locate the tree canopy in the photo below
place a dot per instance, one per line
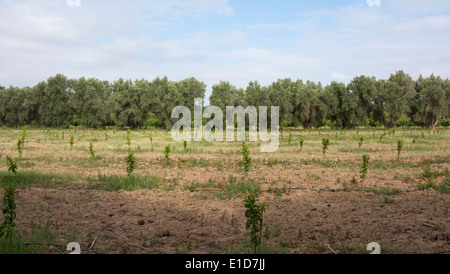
(365, 100)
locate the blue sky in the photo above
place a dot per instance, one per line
(213, 40)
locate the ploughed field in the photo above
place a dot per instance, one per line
(317, 200)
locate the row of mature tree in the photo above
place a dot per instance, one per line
(61, 102)
(399, 100)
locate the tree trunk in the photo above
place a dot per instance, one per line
(433, 127)
(395, 123)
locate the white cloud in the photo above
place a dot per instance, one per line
(340, 77)
(414, 8)
(104, 38)
(108, 40)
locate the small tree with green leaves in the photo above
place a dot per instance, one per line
(399, 148)
(325, 143)
(71, 141)
(254, 215)
(185, 145)
(301, 141)
(130, 160)
(382, 135)
(12, 164)
(8, 228)
(246, 159)
(91, 150)
(19, 147)
(361, 139)
(364, 167)
(166, 153)
(290, 138)
(128, 139)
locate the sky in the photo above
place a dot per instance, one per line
(232, 40)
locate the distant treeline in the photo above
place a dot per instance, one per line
(365, 101)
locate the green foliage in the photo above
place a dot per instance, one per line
(404, 121)
(429, 184)
(130, 160)
(12, 164)
(444, 188)
(370, 121)
(361, 139)
(8, 228)
(382, 135)
(8, 207)
(254, 215)
(397, 101)
(152, 121)
(224, 94)
(429, 173)
(399, 148)
(307, 107)
(290, 138)
(19, 147)
(166, 153)
(301, 141)
(325, 143)
(91, 150)
(185, 145)
(431, 104)
(54, 109)
(364, 167)
(246, 159)
(444, 122)
(76, 122)
(71, 141)
(128, 137)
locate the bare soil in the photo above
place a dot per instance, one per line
(312, 207)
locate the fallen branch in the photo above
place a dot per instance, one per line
(56, 245)
(93, 243)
